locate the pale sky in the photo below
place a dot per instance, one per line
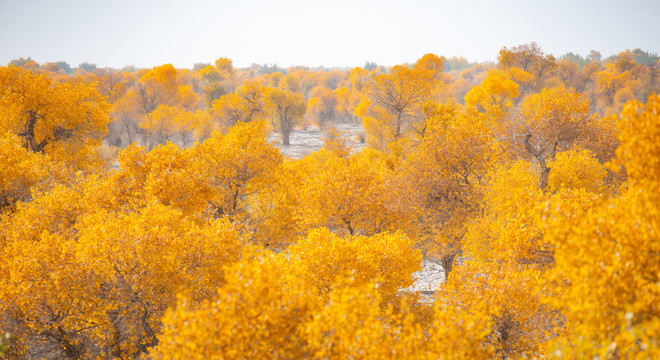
(343, 33)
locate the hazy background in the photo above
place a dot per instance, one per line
(304, 32)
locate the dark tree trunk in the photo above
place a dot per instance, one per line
(540, 157)
(447, 263)
(349, 226)
(545, 173)
(30, 141)
(150, 339)
(399, 120)
(115, 345)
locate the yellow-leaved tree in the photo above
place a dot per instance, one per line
(550, 121)
(441, 178)
(249, 102)
(236, 166)
(392, 107)
(91, 279)
(290, 305)
(289, 110)
(606, 277)
(64, 120)
(350, 195)
(173, 123)
(20, 170)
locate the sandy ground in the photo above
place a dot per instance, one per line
(427, 280)
(304, 142)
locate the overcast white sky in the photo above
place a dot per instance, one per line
(307, 32)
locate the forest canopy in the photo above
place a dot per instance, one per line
(152, 213)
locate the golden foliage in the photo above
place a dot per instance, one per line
(609, 261)
(349, 195)
(208, 243)
(249, 102)
(64, 120)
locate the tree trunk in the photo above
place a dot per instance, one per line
(30, 141)
(544, 169)
(447, 263)
(285, 127)
(545, 173)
